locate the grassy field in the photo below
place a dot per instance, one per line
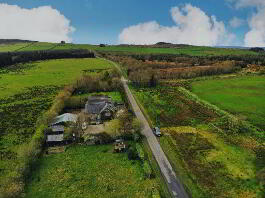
(242, 96)
(26, 92)
(164, 113)
(12, 47)
(89, 171)
(189, 50)
(46, 73)
(210, 162)
(209, 166)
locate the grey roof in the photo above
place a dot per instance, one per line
(97, 104)
(67, 117)
(95, 108)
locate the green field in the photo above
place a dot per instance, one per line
(187, 50)
(211, 167)
(89, 171)
(162, 111)
(242, 96)
(45, 73)
(12, 47)
(26, 92)
(209, 161)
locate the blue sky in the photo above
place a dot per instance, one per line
(101, 21)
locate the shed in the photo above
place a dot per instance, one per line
(55, 135)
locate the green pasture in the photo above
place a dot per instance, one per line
(45, 73)
(243, 96)
(209, 166)
(186, 50)
(12, 47)
(89, 171)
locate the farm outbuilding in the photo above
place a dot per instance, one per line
(55, 133)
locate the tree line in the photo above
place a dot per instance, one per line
(11, 58)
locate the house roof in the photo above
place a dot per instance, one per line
(67, 117)
(97, 104)
(95, 108)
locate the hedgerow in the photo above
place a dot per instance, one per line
(29, 153)
(11, 58)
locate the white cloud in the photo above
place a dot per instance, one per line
(247, 3)
(256, 36)
(39, 24)
(193, 26)
(236, 22)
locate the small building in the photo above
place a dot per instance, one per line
(100, 108)
(54, 135)
(55, 132)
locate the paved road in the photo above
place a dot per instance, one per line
(173, 182)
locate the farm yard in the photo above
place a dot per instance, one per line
(89, 171)
(27, 91)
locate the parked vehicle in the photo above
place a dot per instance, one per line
(119, 146)
(156, 131)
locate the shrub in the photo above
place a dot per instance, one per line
(261, 176)
(132, 153)
(136, 137)
(147, 169)
(155, 193)
(140, 151)
(137, 125)
(257, 49)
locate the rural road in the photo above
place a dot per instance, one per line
(173, 182)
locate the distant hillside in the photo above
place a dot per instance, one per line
(157, 45)
(235, 47)
(10, 41)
